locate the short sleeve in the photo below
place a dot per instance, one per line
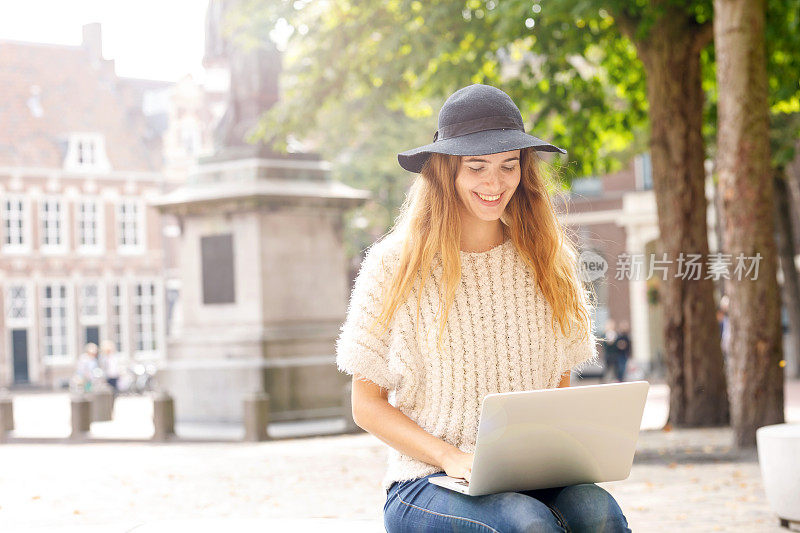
(358, 349)
(580, 352)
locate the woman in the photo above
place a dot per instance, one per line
(473, 291)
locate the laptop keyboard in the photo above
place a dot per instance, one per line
(463, 482)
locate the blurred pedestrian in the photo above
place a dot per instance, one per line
(623, 346)
(87, 368)
(109, 362)
(610, 350)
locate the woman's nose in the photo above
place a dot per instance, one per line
(494, 177)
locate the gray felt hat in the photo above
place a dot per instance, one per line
(476, 120)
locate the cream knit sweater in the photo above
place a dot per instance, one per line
(498, 334)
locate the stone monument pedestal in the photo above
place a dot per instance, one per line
(264, 287)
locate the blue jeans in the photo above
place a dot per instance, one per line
(620, 365)
(417, 505)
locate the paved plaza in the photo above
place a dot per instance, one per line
(683, 479)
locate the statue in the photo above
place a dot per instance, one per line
(254, 71)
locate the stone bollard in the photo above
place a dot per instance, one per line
(102, 398)
(347, 396)
(6, 415)
(81, 416)
(163, 416)
(256, 416)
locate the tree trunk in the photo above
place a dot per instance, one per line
(719, 233)
(792, 175)
(790, 291)
(747, 192)
(671, 56)
(792, 180)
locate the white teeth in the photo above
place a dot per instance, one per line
(488, 198)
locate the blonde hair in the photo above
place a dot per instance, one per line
(429, 222)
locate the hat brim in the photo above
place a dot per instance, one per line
(478, 143)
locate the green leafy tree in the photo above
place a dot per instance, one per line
(747, 191)
(603, 79)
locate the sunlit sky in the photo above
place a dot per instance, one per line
(153, 39)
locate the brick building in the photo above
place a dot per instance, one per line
(614, 216)
(81, 250)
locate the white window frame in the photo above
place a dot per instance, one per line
(99, 231)
(86, 151)
(153, 347)
(643, 171)
(118, 320)
(139, 229)
(96, 319)
(62, 224)
(24, 216)
(69, 334)
(9, 290)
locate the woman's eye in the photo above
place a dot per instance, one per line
(507, 169)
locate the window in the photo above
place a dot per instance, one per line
(54, 320)
(88, 221)
(18, 310)
(643, 171)
(129, 226)
(90, 303)
(52, 217)
(86, 151)
(144, 316)
(117, 314)
(14, 226)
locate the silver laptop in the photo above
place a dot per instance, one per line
(553, 438)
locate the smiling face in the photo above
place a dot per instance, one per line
(485, 184)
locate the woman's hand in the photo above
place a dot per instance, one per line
(458, 464)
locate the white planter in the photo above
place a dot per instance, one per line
(779, 459)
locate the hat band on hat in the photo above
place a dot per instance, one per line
(476, 125)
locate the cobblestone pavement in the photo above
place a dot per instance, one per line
(683, 479)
